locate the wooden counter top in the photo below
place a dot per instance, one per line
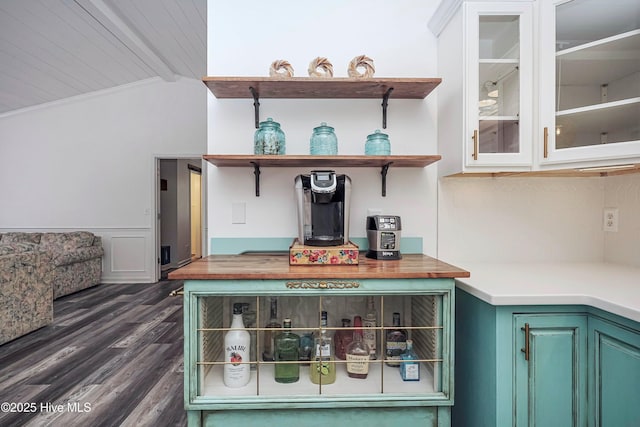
(239, 267)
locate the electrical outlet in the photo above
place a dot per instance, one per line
(610, 219)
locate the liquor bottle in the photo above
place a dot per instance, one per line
(370, 336)
(249, 319)
(395, 343)
(286, 347)
(267, 353)
(323, 367)
(409, 368)
(237, 343)
(358, 353)
(306, 348)
(342, 338)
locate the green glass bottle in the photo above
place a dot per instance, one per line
(287, 345)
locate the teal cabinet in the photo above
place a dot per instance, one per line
(550, 363)
(583, 366)
(426, 306)
(615, 363)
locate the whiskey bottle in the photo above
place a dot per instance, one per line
(358, 353)
(369, 334)
(395, 343)
(409, 368)
(237, 343)
(267, 353)
(286, 347)
(342, 339)
(323, 369)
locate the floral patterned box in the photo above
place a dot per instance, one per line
(323, 255)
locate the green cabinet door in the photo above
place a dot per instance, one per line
(615, 354)
(550, 362)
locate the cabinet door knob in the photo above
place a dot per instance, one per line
(525, 350)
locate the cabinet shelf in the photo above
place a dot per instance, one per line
(317, 88)
(258, 161)
(601, 61)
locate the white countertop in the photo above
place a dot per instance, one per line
(610, 287)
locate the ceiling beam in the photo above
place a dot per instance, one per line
(110, 20)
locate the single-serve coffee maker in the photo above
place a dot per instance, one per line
(323, 208)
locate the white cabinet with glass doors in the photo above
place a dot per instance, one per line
(486, 59)
(590, 81)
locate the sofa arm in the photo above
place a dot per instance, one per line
(78, 255)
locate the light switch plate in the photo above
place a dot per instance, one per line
(238, 213)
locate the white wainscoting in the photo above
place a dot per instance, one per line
(129, 254)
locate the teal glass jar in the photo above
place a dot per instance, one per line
(377, 144)
(269, 138)
(324, 141)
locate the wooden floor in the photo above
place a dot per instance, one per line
(112, 357)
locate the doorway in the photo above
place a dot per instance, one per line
(179, 215)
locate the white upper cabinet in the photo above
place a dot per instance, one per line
(486, 62)
(535, 86)
(590, 81)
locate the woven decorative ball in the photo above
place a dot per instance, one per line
(361, 62)
(320, 67)
(280, 68)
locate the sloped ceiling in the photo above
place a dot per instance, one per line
(55, 49)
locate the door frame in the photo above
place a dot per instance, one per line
(156, 272)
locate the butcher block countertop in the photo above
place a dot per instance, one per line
(254, 266)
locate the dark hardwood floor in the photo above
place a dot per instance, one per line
(112, 357)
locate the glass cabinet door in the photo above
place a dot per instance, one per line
(591, 68)
(420, 318)
(499, 84)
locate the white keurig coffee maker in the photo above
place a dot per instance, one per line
(383, 233)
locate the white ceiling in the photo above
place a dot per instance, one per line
(55, 49)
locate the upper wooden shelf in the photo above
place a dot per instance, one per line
(239, 160)
(307, 87)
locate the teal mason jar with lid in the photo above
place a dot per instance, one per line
(377, 144)
(269, 138)
(324, 141)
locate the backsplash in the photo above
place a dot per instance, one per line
(520, 219)
(623, 247)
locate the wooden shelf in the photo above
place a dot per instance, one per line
(307, 87)
(315, 88)
(242, 160)
(357, 161)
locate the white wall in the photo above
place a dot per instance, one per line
(245, 37)
(623, 192)
(88, 163)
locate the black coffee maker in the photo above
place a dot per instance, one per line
(323, 208)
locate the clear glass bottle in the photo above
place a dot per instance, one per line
(357, 353)
(409, 368)
(369, 322)
(324, 141)
(395, 342)
(323, 367)
(237, 343)
(287, 346)
(342, 339)
(267, 352)
(249, 319)
(269, 138)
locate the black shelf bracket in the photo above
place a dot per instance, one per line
(385, 104)
(256, 106)
(256, 172)
(383, 172)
